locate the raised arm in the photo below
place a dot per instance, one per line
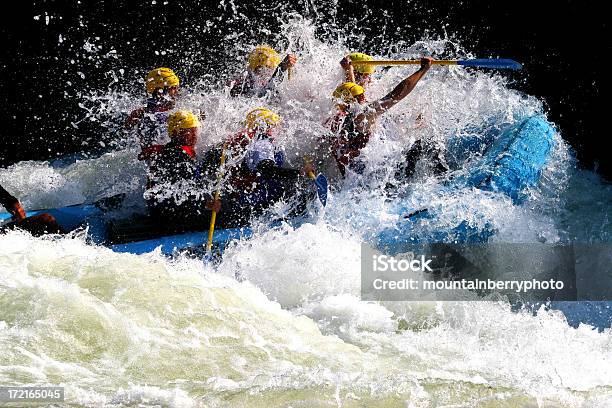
(403, 88)
(366, 120)
(134, 117)
(349, 71)
(278, 75)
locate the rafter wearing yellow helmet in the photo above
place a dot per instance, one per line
(261, 119)
(264, 72)
(161, 78)
(348, 92)
(351, 128)
(362, 69)
(162, 88)
(182, 119)
(263, 56)
(356, 72)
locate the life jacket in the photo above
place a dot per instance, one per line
(149, 153)
(243, 177)
(150, 123)
(170, 163)
(265, 188)
(242, 85)
(346, 142)
(153, 128)
(189, 150)
(260, 149)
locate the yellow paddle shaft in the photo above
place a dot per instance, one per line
(310, 174)
(213, 217)
(404, 62)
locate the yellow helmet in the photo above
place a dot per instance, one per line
(263, 56)
(363, 69)
(348, 91)
(160, 78)
(261, 116)
(182, 119)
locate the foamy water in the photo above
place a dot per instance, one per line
(279, 321)
(119, 329)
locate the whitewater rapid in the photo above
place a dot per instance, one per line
(279, 321)
(119, 329)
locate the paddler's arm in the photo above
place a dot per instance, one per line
(288, 63)
(133, 118)
(403, 89)
(11, 204)
(366, 120)
(278, 75)
(347, 66)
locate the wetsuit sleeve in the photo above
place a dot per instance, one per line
(6, 199)
(269, 169)
(134, 118)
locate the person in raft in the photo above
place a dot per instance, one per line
(256, 173)
(355, 119)
(355, 72)
(264, 72)
(150, 121)
(174, 195)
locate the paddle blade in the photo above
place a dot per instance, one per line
(321, 183)
(213, 256)
(491, 63)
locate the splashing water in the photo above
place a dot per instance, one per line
(280, 322)
(119, 329)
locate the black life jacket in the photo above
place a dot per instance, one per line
(348, 141)
(172, 164)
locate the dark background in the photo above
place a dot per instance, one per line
(561, 44)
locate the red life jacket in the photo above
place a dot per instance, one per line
(189, 150)
(148, 153)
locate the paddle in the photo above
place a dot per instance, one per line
(320, 182)
(213, 217)
(415, 213)
(479, 63)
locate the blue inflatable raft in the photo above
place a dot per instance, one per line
(95, 218)
(511, 164)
